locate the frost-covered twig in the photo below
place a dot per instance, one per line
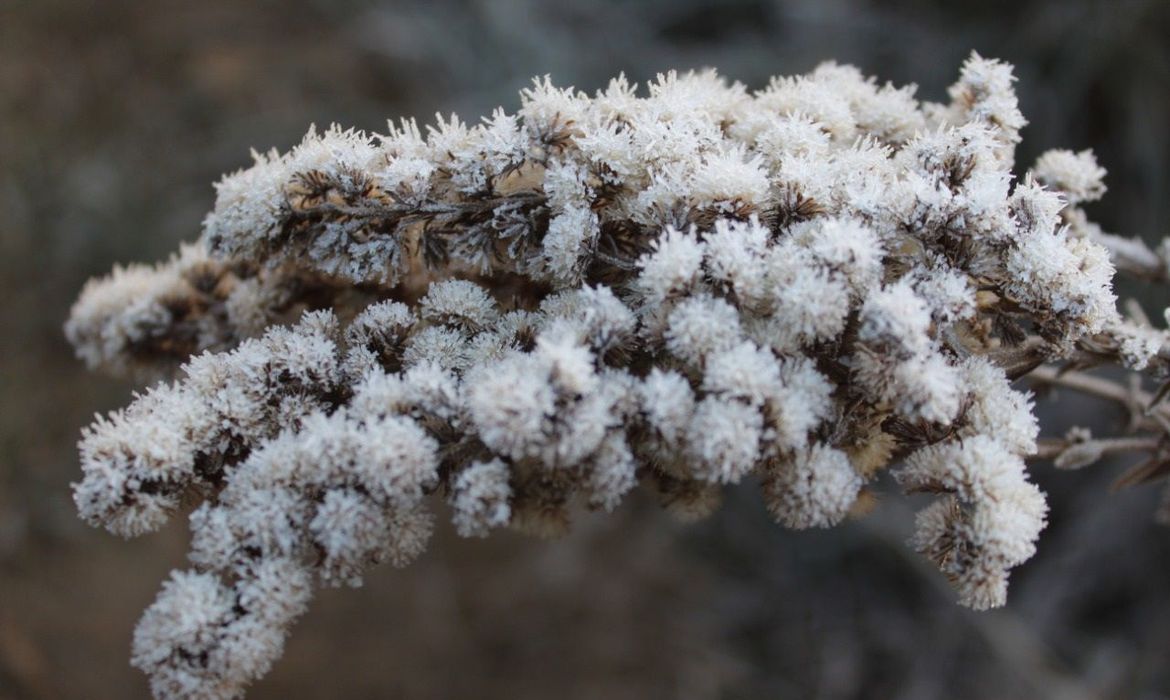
(801, 287)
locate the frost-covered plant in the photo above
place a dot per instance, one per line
(801, 286)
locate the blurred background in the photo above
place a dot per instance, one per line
(115, 118)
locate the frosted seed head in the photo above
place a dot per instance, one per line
(672, 268)
(701, 325)
(1076, 175)
(460, 304)
(815, 489)
(724, 439)
(480, 498)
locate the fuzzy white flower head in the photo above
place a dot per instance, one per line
(809, 304)
(744, 372)
(668, 402)
(928, 388)
(480, 497)
(701, 325)
(815, 490)
(1076, 175)
(1068, 277)
(460, 304)
(724, 439)
(736, 257)
(847, 247)
(1140, 344)
(673, 267)
(994, 408)
(570, 235)
(896, 316)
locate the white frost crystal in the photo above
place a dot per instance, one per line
(542, 311)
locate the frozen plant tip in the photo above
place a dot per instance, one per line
(677, 290)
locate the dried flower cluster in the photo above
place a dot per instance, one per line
(803, 285)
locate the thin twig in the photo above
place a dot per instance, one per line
(1051, 448)
(1133, 256)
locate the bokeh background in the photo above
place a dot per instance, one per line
(115, 118)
